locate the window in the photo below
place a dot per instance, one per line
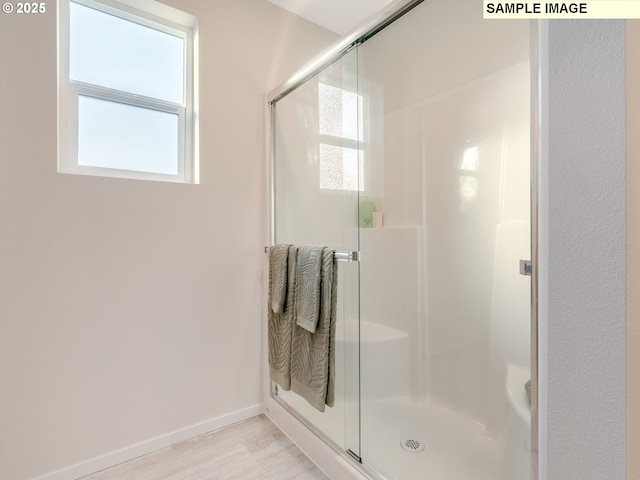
(127, 92)
(341, 132)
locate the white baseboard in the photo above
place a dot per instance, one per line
(96, 464)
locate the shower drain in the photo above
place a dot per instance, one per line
(412, 445)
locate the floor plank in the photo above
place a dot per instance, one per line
(251, 450)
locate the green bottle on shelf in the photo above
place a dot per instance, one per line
(367, 207)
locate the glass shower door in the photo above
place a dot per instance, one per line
(317, 178)
(445, 312)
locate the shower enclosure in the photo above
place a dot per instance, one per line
(407, 151)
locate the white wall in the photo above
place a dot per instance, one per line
(582, 252)
(129, 309)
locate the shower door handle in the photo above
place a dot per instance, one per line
(526, 268)
(346, 256)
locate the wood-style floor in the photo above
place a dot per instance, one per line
(253, 449)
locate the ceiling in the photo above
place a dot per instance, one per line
(339, 16)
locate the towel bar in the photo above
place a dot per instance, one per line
(338, 256)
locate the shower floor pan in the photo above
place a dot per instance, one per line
(442, 444)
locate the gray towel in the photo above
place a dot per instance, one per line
(308, 287)
(313, 354)
(280, 327)
(278, 255)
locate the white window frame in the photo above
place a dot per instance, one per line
(159, 17)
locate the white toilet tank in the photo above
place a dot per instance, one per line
(517, 464)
